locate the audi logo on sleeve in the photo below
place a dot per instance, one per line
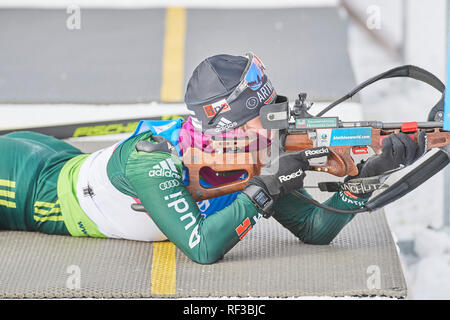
(169, 184)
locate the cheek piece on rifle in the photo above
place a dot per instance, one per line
(278, 178)
(398, 150)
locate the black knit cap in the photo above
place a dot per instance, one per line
(214, 79)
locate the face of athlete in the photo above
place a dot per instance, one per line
(254, 125)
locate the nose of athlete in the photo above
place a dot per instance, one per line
(254, 125)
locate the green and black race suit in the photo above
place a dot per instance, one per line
(49, 186)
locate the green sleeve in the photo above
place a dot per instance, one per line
(312, 224)
(175, 212)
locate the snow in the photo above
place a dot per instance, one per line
(38, 115)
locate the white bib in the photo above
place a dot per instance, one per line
(109, 208)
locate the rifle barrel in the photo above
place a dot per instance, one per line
(389, 125)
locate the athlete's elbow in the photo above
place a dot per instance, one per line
(319, 237)
(207, 257)
(205, 261)
(316, 240)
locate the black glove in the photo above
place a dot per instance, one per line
(281, 176)
(397, 149)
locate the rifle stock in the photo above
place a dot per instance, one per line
(339, 162)
(195, 159)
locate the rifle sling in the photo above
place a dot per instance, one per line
(403, 186)
(410, 181)
(406, 71)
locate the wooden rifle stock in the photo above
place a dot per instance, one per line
(195, 159)
(339, 162)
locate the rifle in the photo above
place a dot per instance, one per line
(333, 147)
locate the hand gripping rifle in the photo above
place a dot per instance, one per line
(333, 146)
